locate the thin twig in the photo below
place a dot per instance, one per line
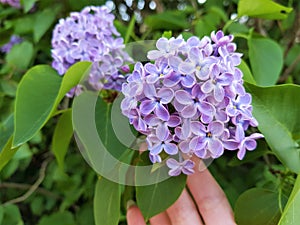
(294, 32)
(20, 186)
(34, 187)
(289, 69)
(159, 6)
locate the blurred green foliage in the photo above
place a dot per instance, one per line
(39, 184)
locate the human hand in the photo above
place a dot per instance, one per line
(205, 204)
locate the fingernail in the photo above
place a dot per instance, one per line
(130, 203)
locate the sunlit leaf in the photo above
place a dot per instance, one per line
(27, 4)
(130, 29)
(167, 20)
(266, 9)
(7, 153)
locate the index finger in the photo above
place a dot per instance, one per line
(210, 199)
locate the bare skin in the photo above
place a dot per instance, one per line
(207, 204)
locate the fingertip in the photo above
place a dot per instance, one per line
(134, 215)
(210, 198)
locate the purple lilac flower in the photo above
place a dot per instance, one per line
(90, 35)
(176, 168)
(190, 102)
(13, 3)
(14, 39)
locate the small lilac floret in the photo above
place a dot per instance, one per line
(13, 3)
(190, 101)
(14, 39)
(176, 168)
(90, 35)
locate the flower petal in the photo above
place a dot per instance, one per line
(186, 68)
(171, 148)
(188, 81)
(162, 131)
(162, 112)
(216, 128)
(172, 163)
(147, 107)
(166, 95)
(183, 97)
(215, 147)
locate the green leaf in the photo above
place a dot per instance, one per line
(106, 132)
(107, 202)
(99, 143)
(1, 214)
(290, 215)
(167, 20)
(62, 136)
(59, 218)
(248, 77)
(7, 153)
(156, 198)
(6, 131)
(266, 9)
(35, 99)
(130, 30)
(277, 110)
(43, 22)
(202, 29)
(27, 4)
(167, 34)
(39, 93)
(251, 156)
(73, 77)
(266, 59)
(20, 55)
(257, 206)
(24, 24)
(12, 215)
(9, 87)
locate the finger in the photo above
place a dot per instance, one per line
(210, 198)
(134, 216)
(184, 211)
(160, 219)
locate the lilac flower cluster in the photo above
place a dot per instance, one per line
(90, 35)
(14, 39)
(13, 3)
(190, 101)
